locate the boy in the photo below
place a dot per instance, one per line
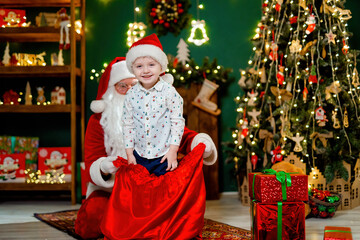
(152, 116)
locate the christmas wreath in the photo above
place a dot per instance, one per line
(168, 15)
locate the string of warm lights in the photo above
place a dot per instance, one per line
(36, 177)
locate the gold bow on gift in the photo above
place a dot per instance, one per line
(322, 137)
(268, 139)
(282, 94)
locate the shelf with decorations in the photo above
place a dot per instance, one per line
(20, 67)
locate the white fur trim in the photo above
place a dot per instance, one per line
(168, 78)
(119, 71)
(97, 106)
(145, 50)
(96, 177)
(200, 138)
(92, 188)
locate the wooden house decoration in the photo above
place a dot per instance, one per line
(341, 186)
(58, 95)
(244, 188)
(355, 187)
(316, 179)
(294, 159)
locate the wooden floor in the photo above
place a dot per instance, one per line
(17, 221)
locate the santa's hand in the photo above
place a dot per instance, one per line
(107, 165)
(210, 152)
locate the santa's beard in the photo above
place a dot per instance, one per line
(111, 123)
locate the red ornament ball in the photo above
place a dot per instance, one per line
(153, 14)
(323, 214)
(161, 21)
(156, 21)
(166, 24)
(157, 1)
(179, 5)
(180, 10)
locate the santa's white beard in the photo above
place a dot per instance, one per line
(111, 123)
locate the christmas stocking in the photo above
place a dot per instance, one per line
(203, 98)
(311, 22)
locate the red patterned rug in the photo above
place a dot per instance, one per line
(64, 221)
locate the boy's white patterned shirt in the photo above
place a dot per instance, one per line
(153, 119)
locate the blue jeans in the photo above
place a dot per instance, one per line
(152, 165)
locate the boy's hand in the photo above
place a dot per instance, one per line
(171, 157)
(130, 156)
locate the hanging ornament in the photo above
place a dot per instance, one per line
(305, 93)
(262, 74)
(334, 88)
(244, 128)
(311, 22)
(323, 52)
(252, 97)
(276, 155)
(346, 118)
(295, 46)
(320, 116)
(312, 77)
(280, 75)
(297, 139)
(293, 19)
(302, 4)
(168, 16)
(254, 114)
(345, 47)
(278, 5)
(355, 77)
(254, 160)
(331, 37)
(136, 32)
(336, 122)
(62, 22)
(199, 24)
(273, 51)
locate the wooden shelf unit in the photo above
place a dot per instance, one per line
(72, 72)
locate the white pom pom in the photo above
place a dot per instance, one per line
(168, 78)
(97, 106)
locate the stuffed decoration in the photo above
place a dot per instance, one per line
(62, 22)
(311, 22)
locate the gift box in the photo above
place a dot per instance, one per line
(28, 146)
(277, 221)
(12, 168)
(337, 233)
(271, 186)
(55, 162)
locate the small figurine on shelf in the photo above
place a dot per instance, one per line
(62, 22)
(28, 96)
(58, 95)
(7, 56)
(11, 97)
(41, 98)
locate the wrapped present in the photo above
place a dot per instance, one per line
(271, 186)
(12, 17)
(12, 168)
(277, 221)
(337, 233)
(56, 163)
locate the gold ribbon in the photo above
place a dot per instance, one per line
(322, 137)
(268, 137)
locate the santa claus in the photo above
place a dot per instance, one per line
(104, 148)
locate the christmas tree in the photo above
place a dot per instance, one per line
(301, 89)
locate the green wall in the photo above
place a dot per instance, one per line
(230, 26)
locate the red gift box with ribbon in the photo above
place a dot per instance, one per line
(278, 221)
(337, 233)
(270, 186)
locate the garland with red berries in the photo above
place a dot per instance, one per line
(168, 15)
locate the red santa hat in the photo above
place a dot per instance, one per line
(114, 72)
(149, 46)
